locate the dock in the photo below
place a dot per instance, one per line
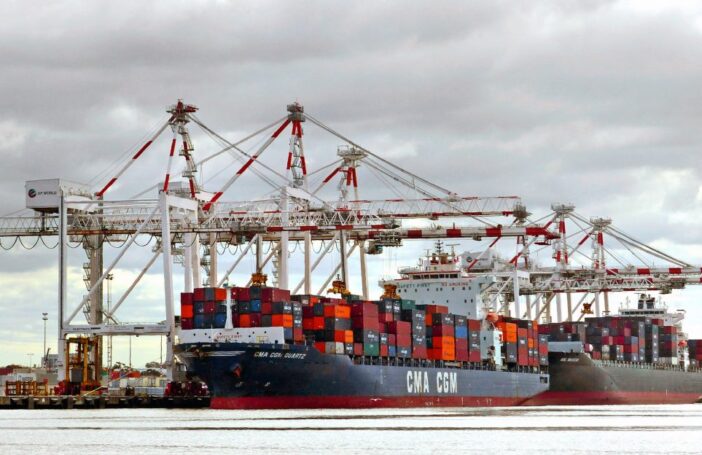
(102, 402)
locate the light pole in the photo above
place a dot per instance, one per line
(30, 354)
(44, 317)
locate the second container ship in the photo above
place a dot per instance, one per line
(640, 356)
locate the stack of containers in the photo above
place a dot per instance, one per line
(366, 335)
(598, 336)
(248, 306)
(417, 320)
(527, 339)
(441, 343)
(209, 308)
(543, 349)
(509, 340)
(298, 334)
(460, 325)
(652, 342)
(474, 340)
(401, 333)
(630, 339)
(328, 322)
(564, 331)
(694, 348)
(385, 312)
(668, 344)
(277, 311)
(522, 344)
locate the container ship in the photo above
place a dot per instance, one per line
(640, 356)
(259, 347)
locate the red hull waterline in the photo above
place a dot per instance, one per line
(553, 398)
(353, 402)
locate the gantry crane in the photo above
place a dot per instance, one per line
(186, 219)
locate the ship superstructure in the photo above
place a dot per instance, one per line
(457, 280)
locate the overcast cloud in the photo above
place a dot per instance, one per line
(596, 103)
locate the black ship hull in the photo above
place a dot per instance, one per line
(244, 376)
(576, 379)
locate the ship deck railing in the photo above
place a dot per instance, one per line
(426, 363)
(646, 366)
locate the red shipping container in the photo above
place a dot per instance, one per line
(243, 294)
(235, 320)
(275, 295)
(186, 310)
(474, 356)
(266, 307)
(199, 295)
(250, 320)
(523, 356)
(385, 317)
(186, 298)
(522, 333)
(399, 327)
(220, 294)
(320, 345)
(364, 309)
(210, 307)
(298, 335)
(383, 350)
(392, 340)
(358, 349)
(440, 309)
(670, 330)
(443, 330)
(474, 325)
(186, 323)
(404, 340)
(462, 356)
(332, 300)
(366, 323)
(420, 352)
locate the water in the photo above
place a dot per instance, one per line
(556, 430)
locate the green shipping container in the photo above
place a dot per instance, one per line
(371, 349)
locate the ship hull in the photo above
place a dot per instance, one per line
(578, 380)
(242, 376)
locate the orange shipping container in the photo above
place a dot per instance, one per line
(244, 320)
(530, 343)
(220, 294)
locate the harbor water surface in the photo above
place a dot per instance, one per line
(609, 429)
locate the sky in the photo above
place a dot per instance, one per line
(592, 103)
